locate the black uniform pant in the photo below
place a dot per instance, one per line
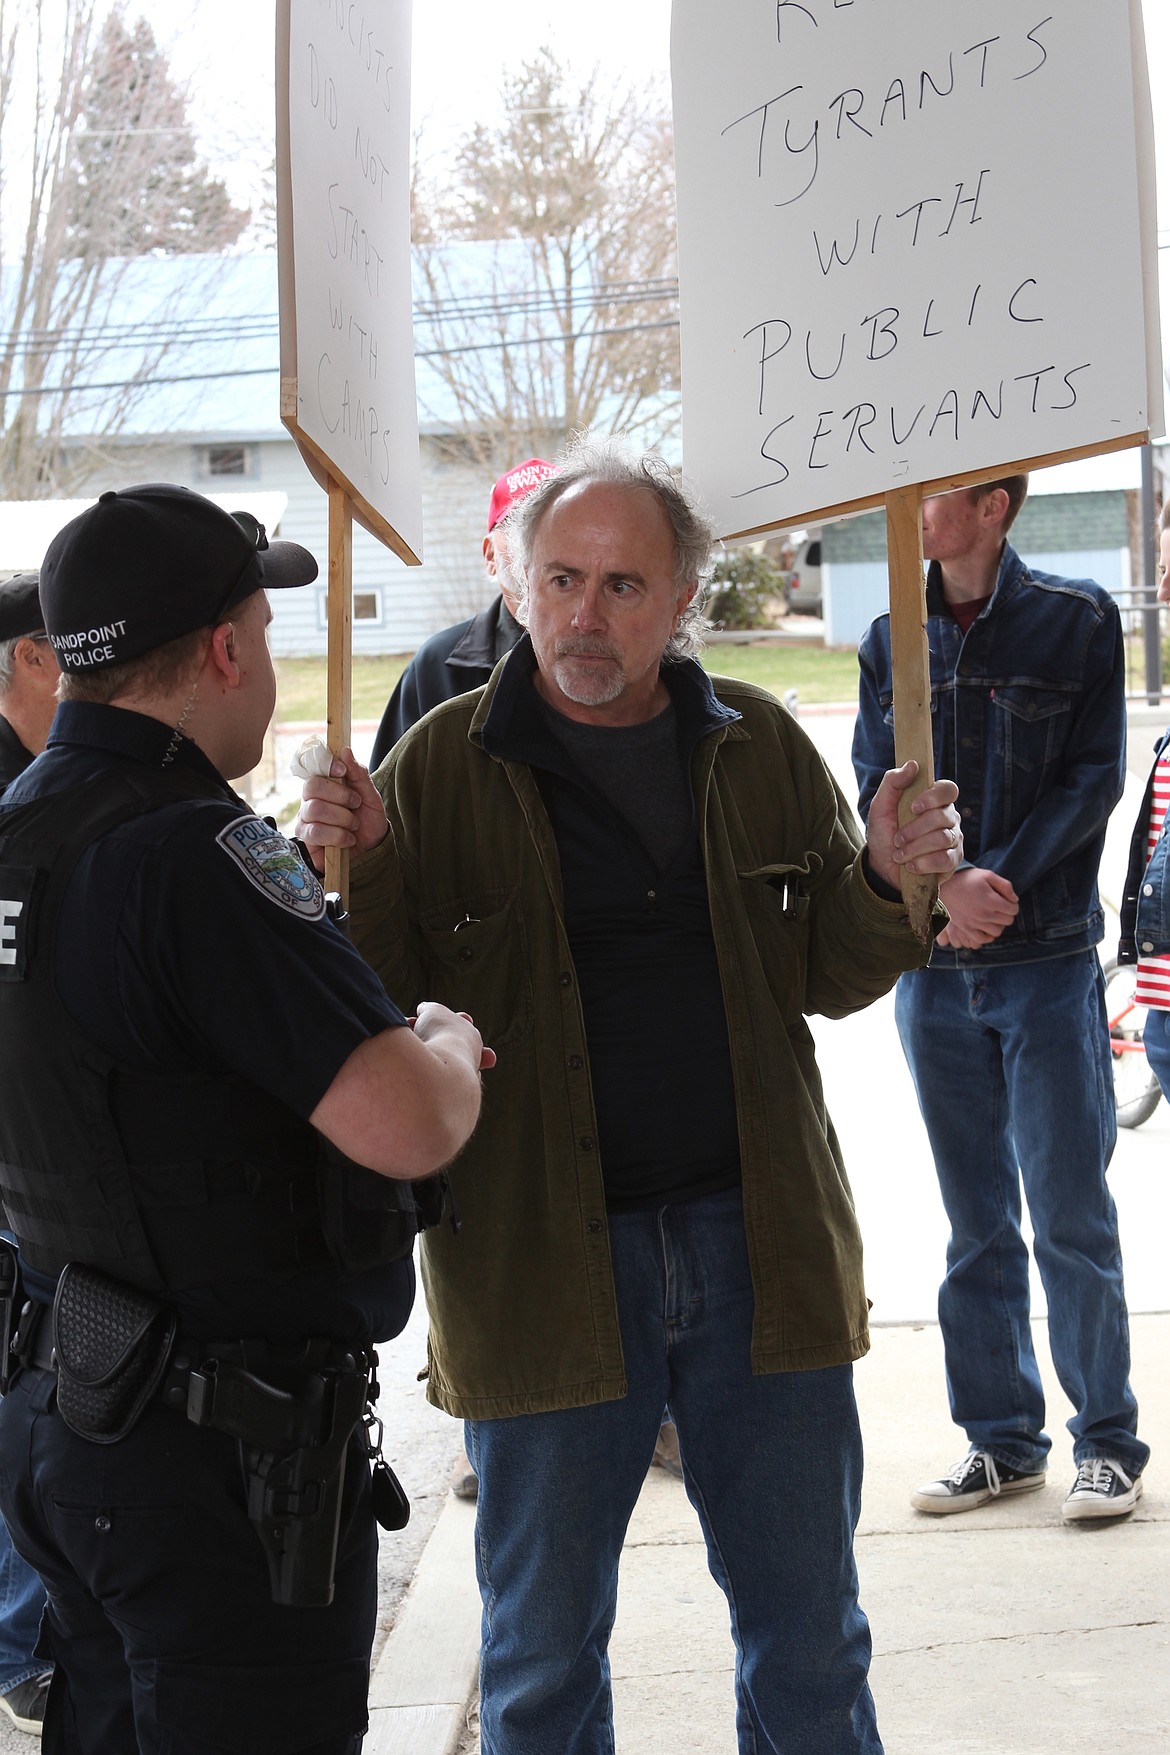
(160, 1620)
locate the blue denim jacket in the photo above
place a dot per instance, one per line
(1145, 907)
(1028, 713)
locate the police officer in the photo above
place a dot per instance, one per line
(28, 699)
(28, 677)
(211, 1112)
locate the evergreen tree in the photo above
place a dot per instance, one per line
(137, 184)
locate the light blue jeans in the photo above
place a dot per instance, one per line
(1012, 1069)
(772, 1465)
(22, 1598)
(1156, 1037)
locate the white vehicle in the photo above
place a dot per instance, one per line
(802, 586)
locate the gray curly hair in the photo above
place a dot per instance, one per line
(609, 462)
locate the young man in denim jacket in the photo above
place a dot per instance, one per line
(1005, 1030)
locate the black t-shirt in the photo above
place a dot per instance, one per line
(639, 924)
(187, 942)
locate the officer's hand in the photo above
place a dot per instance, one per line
(439, 1028)
(930, 842)
(345, 810)
(980, 904)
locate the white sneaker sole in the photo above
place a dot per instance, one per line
(1092, 1508)
(946, 1504)
(33, 1727)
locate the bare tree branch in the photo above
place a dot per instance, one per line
(566, 316)
(97, 167)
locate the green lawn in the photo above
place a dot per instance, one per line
(815, 674)
(300, 686)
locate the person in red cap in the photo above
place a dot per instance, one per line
(463, 657)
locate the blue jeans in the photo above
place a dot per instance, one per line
(1012, 1070)
(22, 1597)
(772, 1466)
(1156, 1037)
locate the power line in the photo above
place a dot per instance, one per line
(81, 390)
(195, 332)
(545, 340)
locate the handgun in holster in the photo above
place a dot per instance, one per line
(293, 1445)
(294, 1500)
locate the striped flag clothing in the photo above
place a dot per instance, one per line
(1153, 973)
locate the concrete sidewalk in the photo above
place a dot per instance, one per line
(1002, 1631)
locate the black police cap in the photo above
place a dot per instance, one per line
(148, 564)
(20, 607)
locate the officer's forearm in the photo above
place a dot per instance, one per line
(401, 1106)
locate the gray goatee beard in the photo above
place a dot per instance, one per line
(582, 685)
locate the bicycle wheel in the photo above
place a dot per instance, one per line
(1135, 1087)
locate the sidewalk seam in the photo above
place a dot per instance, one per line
(428, 1670)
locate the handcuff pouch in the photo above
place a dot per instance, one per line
(112, 1344)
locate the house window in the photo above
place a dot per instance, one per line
(219, 461)
(367, 607)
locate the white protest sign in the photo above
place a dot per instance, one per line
(347, 338)
(911, 244)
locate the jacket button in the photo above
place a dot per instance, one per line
(1147, 889)
(1147, 946)
(595, 1225)
(586, 1142)
(102, 1524)
(466, 953)
(576, 1062)
(566, 978)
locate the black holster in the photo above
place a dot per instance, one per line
(293, 1446)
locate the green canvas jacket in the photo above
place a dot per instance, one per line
(463, 904)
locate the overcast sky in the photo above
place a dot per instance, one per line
(461, 49)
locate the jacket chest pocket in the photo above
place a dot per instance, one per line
(776, 901)
(480, 964)
(1030, 725)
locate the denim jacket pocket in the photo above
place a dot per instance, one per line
(480, 964)
(1030, 725)
(776, 902)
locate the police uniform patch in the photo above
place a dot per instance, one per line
(274, 866)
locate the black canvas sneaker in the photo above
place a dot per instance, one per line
(973, 1482)
(25, 1704)
(1102, 1489)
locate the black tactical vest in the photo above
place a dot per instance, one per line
(163, 1181)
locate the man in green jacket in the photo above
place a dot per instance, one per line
(640, 882)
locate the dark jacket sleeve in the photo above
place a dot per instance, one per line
(403, 710)
(873, 736)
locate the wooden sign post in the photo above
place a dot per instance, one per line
(339, 681)
(347, 390)
(893, 231)
(911, 664)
